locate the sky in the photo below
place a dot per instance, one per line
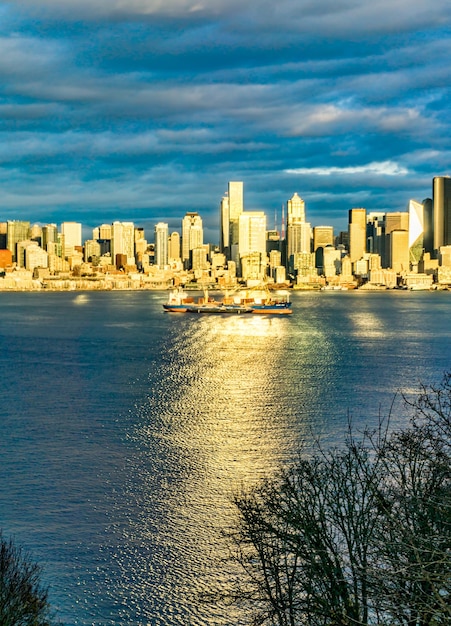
(142, 110)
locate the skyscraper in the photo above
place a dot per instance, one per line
(323, 236)
(298, 230)
(235, 209)
(236, 205)
(192, 235)
(174, 247)
(161, 244)
(441, 198)
(357, 234)
(72, 234)
(295, 209)
(416, 231)
(252, 244)
(123, 241)
(16, 231)
(49, 235)
(224, 226)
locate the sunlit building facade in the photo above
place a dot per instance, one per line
(72, 234)
(161, 245)
(357, 234)
(416, 232)
(192, 235)
(252, 244)
(323, 236)
(123, 241)
(16, 231)
(174, 247)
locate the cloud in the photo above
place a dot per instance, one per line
(156, 105)
(384, 168)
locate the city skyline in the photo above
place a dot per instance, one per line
(141, 111)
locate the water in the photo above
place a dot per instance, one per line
(126, 431)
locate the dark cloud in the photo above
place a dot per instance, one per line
(144, 109)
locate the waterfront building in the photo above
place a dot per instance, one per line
(123, 242)
(192, 236)
(441, 198)
(322, 236)
(16, 231)
(161, 245)
(357, 234)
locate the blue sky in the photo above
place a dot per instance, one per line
(144, 109)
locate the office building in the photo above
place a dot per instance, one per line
(398, 220)
(252, 244)
(92, 250)
(323, 236)
(123, 243)
(174, 246)
(399, 259)
(232, 206)
(72, 235)
(299, 233)
(295, 209)
(192, 236)
(441, 199)
(49, 235)
(16, 231)
(357, 234)
(35, 257)
(224, 226)
(161, 245)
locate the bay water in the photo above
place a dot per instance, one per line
(126, 431)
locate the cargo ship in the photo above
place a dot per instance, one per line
(241, 303)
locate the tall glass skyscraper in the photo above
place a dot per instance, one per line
(441, 198)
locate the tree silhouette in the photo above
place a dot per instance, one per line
(23, 598)
(356, 535)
